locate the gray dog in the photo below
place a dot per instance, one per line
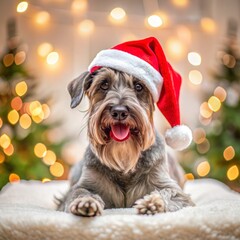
(125, 164)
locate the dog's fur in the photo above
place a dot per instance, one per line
(135, 172)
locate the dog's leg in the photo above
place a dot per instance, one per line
(80, 201)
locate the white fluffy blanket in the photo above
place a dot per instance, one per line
(27, 212)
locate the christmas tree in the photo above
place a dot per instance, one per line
(26, 150)
(216, 150)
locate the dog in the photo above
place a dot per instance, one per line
(126, 163)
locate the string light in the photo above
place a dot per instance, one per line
(40, 150)
(49, 158)
(195, 77)
(205, 111)
(22, 6)
(57, 169)
(5, 141)
(220, 93)
(20, 58)
(86, 27)
(13, 178)
(194, 58)
(52, 58)
(203, 168)
(208, 25)
(42, 18)
(214, 103)
(8, 60)
(44, 49)
(229, 153)
(180, 3)
(118, 14)
(233, 173)
(175, 48)
(21, 88)
(13, 116)
(155, 21)
(9, 150)
(25, 121)
(2, 157)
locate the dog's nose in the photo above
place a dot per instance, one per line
(119, 112)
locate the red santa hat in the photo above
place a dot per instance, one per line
(146, 60)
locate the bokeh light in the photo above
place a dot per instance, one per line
(208, 25)
(229, 60)
(52, 58)
(16, 103)
(40, 150)
(25, 121)
(57, 169)
(79, 6)
(86, 27)
(22, 6)
(9, 150)
(49, 158)
(8, 60)
(35, 108)
(205, 111)
(203, 147)
(195, 77)
(44, 180)
(44, 49)
(13, 116)
(229, 153)
(199, 135)
(233, 173)
(20, 57)
(203, 168)
(180, 3)
(184, 34)
(118, 14)
(5, 141)
(1, 122)
(155, 21)
(46, 111)
(21, 88)
(13, 178)
(2, 157)
(42, 18)
(175, 48)
(189, 176)
(214, 103)
(220, 93)
(194, 58)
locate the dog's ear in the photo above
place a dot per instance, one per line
(78, 86)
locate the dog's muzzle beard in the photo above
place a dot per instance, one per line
(119, 136)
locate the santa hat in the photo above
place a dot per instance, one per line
(146, 60)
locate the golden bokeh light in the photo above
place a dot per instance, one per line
(49, 158)
(233, 173)
(2, 157)
(52, 58)
(44, 180)
(195, 77)
(175, 48)
(42, 18)
(194, 58)
(13, 178)
(9, 150)
(180, 3)
(20, 57)
(13, 116)
(8, 60)
(16, 103)
(184, 34)
(46, 111)
(40, 150)
(199, 135)
(155, 21)
(220, 93)
(118, 14)
(208, 25)
(5, 141)
(229, 60)
(205, 111)
(86, 27)
(214, 103)
(1, 122)
(39, 118)
(203, 168)
(79, 6)
(57, 169)
(229, 153)
(44, 49)
(203, 147)
(35, 108)
(189, 176)
(22, 6)
(25, 121)
(21, 88)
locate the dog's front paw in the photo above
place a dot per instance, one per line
(150, 204)
(86, 206)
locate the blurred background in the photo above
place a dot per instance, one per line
(44, 44)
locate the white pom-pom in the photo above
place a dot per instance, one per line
(178, 137)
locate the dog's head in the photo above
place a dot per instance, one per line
(120, 124)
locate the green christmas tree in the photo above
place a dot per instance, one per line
(26, 150)
(216, 149)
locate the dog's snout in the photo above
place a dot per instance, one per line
(119, 112)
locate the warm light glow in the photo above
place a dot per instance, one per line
(194, 58)
(205, 111)
(44, 180)
(220, 93)
(40, 150)
(20, 57)
(229, 153)
(42, 18)
(229, 60)
(1, 122)
(86, 27)
(203, 147)
(118, 14)
(57, 169)
(52, 58)
(214, 103)
(21, 88)
(199, 135)
(203, 168)
(195, 77)
(189, 176)
(9, 150)
(46, 111)
(13, 178)
(155, 21)
(79, 6)
(25, 121)
(16, 103)
(184, 34)
(2, 157)
(8, 59)
(49, 158)
(44, 49)
(180, 3)
(233, 173)
(39, 118)
(175, 48)
(5, 141)
(22, 6)
(13, 117)
(35, 108)
(208, 25)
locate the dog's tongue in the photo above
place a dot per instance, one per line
(119, 132)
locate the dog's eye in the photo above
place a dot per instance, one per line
(104, 85)
(138, 87)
